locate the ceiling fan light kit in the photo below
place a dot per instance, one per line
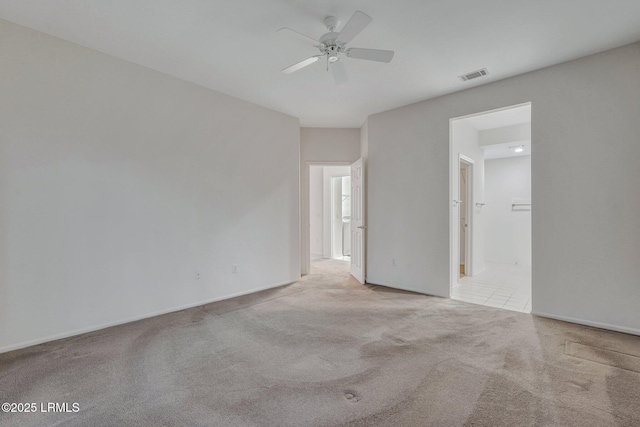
(333, 44)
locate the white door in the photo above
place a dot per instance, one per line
(358, 226)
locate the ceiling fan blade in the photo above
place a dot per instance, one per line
(339, 73)
(301, 64)
(370, 54)
(298, 35)
(352, 28)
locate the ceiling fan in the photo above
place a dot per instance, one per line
(332, 45)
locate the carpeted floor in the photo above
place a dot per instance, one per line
(328, 351)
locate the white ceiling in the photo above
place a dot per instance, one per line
(232, 46)
(501, 151)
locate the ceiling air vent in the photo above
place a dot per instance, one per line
(474, 75)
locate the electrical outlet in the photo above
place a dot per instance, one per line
(234, 268)
(196, 274)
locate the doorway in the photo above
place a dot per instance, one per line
(326, 210)
(337, 228)
(490, 213)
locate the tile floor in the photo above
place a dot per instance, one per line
(501, 285)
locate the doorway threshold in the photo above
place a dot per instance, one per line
(500, 285)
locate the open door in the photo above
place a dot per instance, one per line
(358, 226)
(462, 221)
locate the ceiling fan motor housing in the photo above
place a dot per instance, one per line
(328, 46)
(329, 39)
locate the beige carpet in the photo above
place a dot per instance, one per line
(328, 351)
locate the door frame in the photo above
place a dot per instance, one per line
(468, 252)
(452, 280)
(454, 226)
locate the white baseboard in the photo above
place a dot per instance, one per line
(68, 334)
(475, 273)
(402, 288)
(510, 262)
(499, 261)
(600, 325)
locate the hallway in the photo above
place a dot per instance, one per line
(330, 266)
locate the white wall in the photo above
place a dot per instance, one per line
(585, 156)
(364, 140)
(321, 145)
(508, 230)
(316, 215)
(119, 182)
(326, 145)
(465, 141)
